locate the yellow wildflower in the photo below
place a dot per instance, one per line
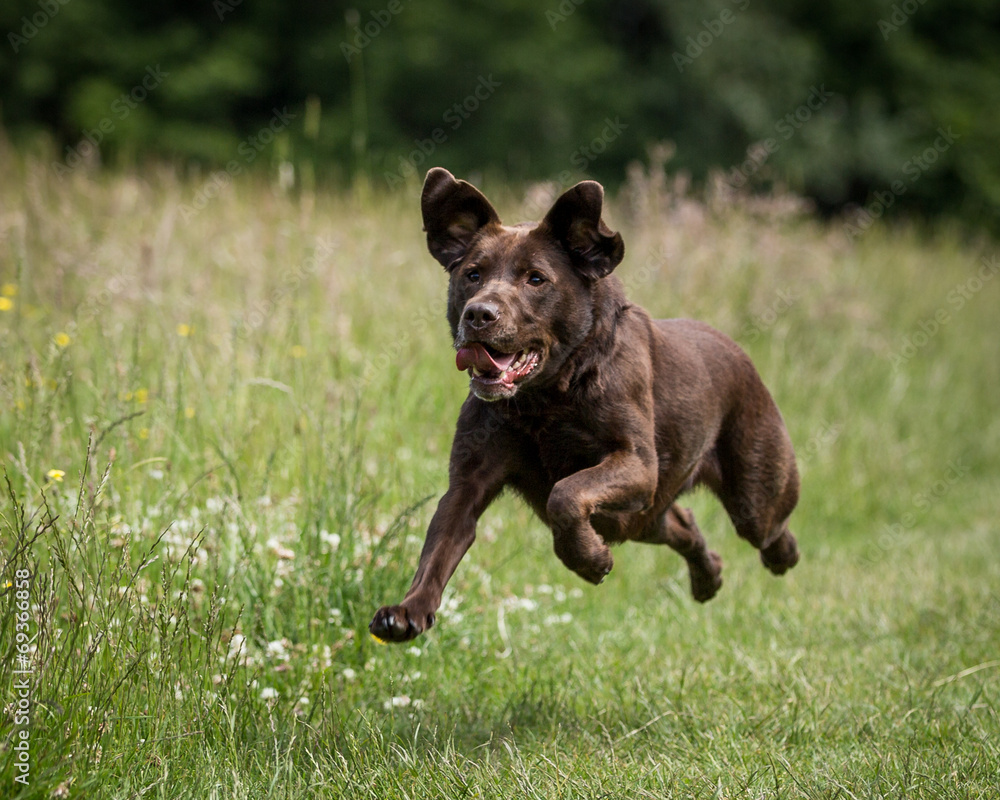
(298, 351)
(141, 395)
(6, 304)
(183, 329)
(9, 290)
(143, 433)
(55, 475)
(189, 412)
(62, 339)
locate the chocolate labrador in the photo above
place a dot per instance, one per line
(594, 413)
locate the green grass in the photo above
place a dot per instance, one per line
(253, 409)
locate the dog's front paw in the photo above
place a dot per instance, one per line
(397, 624)
(596, 569)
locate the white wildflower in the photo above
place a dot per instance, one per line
(332, 540)
(279, 549)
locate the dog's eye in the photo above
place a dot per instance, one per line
(536, 279)
(473, 275)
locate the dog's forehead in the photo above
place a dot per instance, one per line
(510, 244)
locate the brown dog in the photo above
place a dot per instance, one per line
(597, 415)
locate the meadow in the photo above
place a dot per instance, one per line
(225, 416)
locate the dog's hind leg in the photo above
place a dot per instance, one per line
(759, 489)
(676, 528)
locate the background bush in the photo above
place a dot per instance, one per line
(371, 89)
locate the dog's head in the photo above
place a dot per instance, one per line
(520, 298)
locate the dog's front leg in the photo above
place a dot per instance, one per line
(478, 471)
(623, 481)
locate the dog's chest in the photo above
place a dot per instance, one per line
(564, 445)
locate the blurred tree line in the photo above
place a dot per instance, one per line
(845, 101)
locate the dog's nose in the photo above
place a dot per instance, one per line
(481, 315)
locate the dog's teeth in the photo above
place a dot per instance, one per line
(477, 372)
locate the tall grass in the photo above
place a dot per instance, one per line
(251, 408)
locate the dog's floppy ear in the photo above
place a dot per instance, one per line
(454, 212)
(575, 221)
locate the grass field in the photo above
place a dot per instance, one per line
(223, 430)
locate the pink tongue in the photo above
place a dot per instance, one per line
(475, 355)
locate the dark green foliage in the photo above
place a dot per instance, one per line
(909, 113)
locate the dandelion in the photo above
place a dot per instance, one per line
(55, 475)
(62, 339)
(6, 304)
(298, 351)
(9, 290)
(184, 330)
